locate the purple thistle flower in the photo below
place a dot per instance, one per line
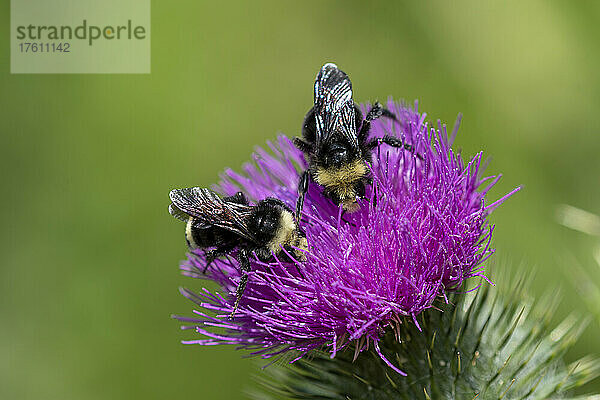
(421, 231)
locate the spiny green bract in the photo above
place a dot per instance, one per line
(485, 346)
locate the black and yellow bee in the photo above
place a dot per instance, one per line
(231, 223)
(334, 140)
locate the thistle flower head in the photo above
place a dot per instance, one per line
(420, 232)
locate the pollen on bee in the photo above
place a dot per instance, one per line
(350, 206)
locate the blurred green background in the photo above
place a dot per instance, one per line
(89, 255)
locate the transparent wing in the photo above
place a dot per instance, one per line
(334, 107)
(210, 210)
(177, 213)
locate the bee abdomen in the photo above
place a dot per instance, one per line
(198, 237)
(189, 234)
(206, 236)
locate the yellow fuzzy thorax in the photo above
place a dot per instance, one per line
(340, 178)
(287, 235)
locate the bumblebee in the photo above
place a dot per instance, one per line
(230, 223)
(334, 141)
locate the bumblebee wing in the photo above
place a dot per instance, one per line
(177, 213)
(180, 215)
(334, 107)
(210, 210)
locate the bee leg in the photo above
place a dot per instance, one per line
(364, 130)
(212, 255)
(375, 112)
(238, 198)
(388, 114)
(243, 258)
(375, 194)
(263, 254)
(302, 145)
(302, 189)
(394, 142)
